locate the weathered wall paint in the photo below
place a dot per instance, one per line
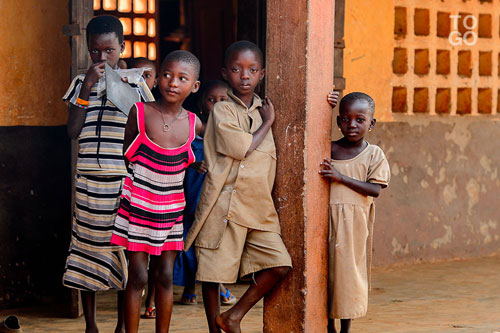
(319, 74)
(299, 69)
(35, 169)
(442, 202)
(35, 62)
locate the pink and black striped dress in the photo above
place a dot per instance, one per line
(152, 202)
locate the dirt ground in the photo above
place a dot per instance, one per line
(458, 296)
(185, 318)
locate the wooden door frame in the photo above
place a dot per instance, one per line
(304, 44)
(81, 12)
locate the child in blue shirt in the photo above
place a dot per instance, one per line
(185, 264)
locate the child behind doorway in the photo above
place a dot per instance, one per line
(357, 171)
(149, 75)
(185, 264)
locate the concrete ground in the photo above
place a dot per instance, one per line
(458, 296)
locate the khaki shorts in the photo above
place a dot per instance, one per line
(242, 251)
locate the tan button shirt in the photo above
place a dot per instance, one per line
(236, 188)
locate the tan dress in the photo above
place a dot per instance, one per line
(350, 237)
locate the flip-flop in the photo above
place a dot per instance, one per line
(10, 324)
(227, 296)
(150, 313)
(191, 299)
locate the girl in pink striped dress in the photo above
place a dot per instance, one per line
(157, 148)
(152, 202)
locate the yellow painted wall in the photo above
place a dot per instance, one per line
(35, 62)
(441, 201)
(369, 38)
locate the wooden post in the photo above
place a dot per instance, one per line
(338, 60)
(299, 58)
(81, 13)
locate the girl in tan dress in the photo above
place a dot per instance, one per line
(357, 172)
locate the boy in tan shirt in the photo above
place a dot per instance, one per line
(236, 231)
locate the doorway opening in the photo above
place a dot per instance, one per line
(153, 28)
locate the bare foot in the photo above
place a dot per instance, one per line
(227, 324)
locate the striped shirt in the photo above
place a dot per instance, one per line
(101, 138)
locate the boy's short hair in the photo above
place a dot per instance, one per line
(243, 45)
(134, 62)
(350, 98)
(186, 57)
(105, 24)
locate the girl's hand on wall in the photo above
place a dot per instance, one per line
(333, 97)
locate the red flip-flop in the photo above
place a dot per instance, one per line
(150, 313)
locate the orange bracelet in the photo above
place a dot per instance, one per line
(81, 101)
